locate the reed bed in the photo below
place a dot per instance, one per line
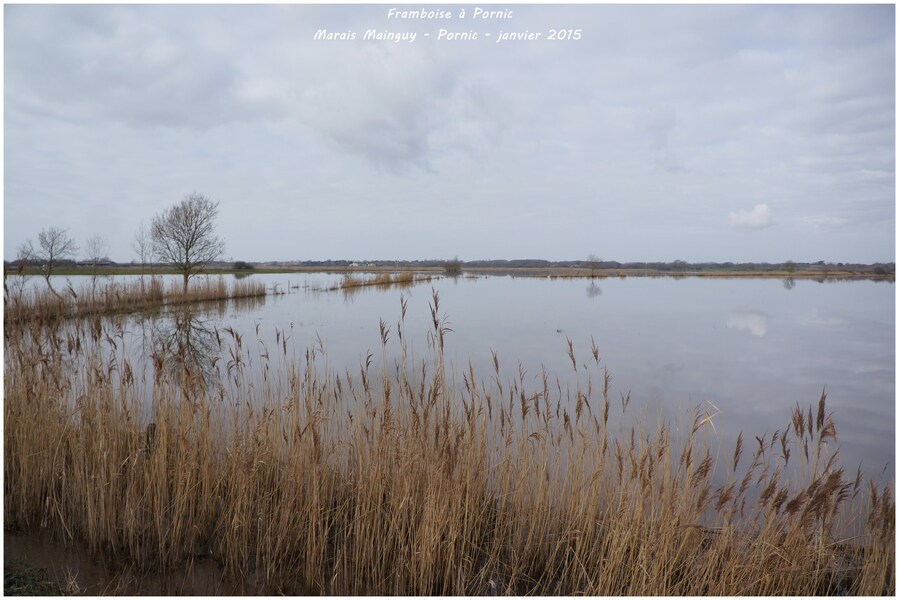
(406, 477)
(400, 279)
(40, 303)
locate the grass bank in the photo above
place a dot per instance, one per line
(404, 477)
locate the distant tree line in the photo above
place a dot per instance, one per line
(673, 266)
(591, 263)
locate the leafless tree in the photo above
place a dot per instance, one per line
(184, 235)
(53, 245)
(593, 264)
(143, 247)
(97, 251)
(96, 248)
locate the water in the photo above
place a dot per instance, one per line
(749, 349)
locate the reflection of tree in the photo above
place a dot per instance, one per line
(789, 283)
(593, 290)
(187, 345)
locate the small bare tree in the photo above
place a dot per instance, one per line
(97, 251)
(96, 248)
(143, 247)
(53, 246)
(184, 235)
(593, 264)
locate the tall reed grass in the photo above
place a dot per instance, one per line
(25, 303)
(406, 477)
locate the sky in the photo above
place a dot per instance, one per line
(665, 132)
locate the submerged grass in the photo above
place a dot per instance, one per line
(407, 478)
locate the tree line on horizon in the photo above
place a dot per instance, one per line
(882, 268)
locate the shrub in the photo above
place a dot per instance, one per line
(453, 267)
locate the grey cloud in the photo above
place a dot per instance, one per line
(826, 222)
(662, 125)
(121, 67)
(415, 108)
(787, 106)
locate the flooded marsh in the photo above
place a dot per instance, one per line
(470, 436)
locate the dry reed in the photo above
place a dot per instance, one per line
(393, 479)
(351, 282)
(21, 303)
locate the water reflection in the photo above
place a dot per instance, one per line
(840, 336)
(755, 323)
(593, 290)
(789, 283)
(187, 345)
(184, 342)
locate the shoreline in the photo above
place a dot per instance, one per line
(537, 272)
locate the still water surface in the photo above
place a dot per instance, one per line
(752, 348)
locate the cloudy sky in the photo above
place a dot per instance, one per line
(728, 133)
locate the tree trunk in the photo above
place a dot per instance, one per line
(50, 285)
(186, 276)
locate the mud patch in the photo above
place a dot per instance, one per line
(71, 566)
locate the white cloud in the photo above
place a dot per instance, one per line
(757, 218)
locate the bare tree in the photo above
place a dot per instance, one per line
(53, 246)
(143, 247)
(184, 235)
(97, 251)
(593, 264)
(96, 248)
